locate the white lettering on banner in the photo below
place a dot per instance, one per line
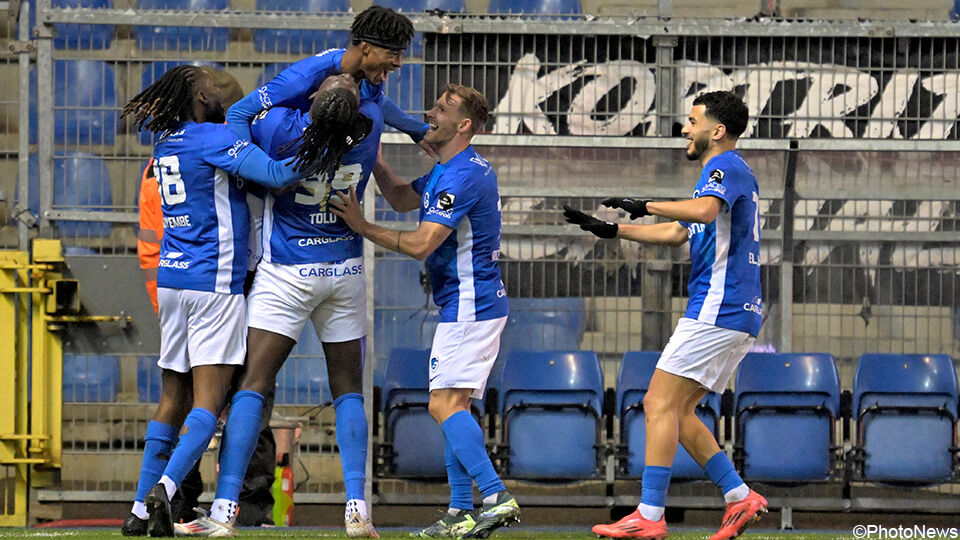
(833, 91)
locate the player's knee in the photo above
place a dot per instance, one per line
(655, 404)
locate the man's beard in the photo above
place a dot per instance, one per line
(218, 115)
(700, 145)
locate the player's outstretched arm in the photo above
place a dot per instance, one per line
(399, 194)
(700, 210)
(418, 244)
(258, 167)
(670, 234)
(395, 117)
(241, 113)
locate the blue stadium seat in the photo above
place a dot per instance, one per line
(80, 182)
(906, 411)
(397, 283)
(405, 88)
(89, 378)
(544, 324)
(636, 370)
(153, 71)
(419, 6)
(303, 378)
(85, 103)
(149, 379)
(270, 71)
(77, 36)
(536, 7)
(384, 212)
(300, 41)
(413, 444)
(403, 329)
(786, 397)
(182, 38)
(551, 404)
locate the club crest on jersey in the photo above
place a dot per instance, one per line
(445, 200)
(434, 364)
(716, 175)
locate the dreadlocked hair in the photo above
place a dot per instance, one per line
(166, 102)
(336, 126)
(382, 27)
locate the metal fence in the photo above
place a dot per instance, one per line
(853, 138)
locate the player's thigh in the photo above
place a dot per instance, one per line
(281, 299)
(217, 329)
(342, 315)
(344, 366)
(704, 353)
(266, 353)
(176, 397)
(174, 320)
(463, 354)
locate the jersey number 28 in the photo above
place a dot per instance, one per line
(167, 171)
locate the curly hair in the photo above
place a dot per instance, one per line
(382, 27)
(166, 102)
(336, 126)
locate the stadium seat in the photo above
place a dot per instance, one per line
(636, 369)
(77, 36)
(781, 398)
(536, 7)
(89, 378)
(551, 404)
(182, 38)
(905, 406)
(544, 324)
(149, 379)
(403, 329)
(405, 88)
(413, 444)
(300, 41)
(153, 71)
(80, 182)
(420, 6)
(85, 101)
(384, 212)
(397, 283)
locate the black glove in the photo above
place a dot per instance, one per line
(603, 229)
(635, 207)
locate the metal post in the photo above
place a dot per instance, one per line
(23, 151)
(787, 249)
(369, 197)
(769, 8)
(44, 34)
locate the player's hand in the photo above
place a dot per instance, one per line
(428, 149)
(603, 229)
(637, 208)
(347, 207)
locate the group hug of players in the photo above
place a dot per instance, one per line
(299, 151)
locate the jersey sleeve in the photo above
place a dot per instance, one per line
(395, 117)
(224, 149)
(720, 181)
(456, 194)
(420, 184)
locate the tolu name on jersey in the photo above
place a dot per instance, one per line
(323, 218)
(173, 222)
(331, 271)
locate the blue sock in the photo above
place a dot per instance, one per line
(197, 431)
(461, 485)
(466, 439)
(239, 441)
(656, 481)
(156, 453)
(720, 470)
(352, 440)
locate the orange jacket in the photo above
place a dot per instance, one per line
(151, 231)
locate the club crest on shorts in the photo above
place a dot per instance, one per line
(434, 364)
(716, 175)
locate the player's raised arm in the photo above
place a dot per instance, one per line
(400, 194)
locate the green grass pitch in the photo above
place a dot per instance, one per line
(528, 534)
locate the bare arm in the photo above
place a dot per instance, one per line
(399, 194)
(418, 244)
(671, 234)
(700, 210)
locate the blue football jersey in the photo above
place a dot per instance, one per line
(724, 282)
(205, 215)
(297, 226)
(293, 86)
(465, 270)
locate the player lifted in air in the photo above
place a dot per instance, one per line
(311, 263)
(723, 316)
(459, 236)
(203, 261)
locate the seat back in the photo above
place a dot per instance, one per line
(183, 38)
(780, 397)
(85, 101)
(906, 408)
(90, 378)
(536, 7)
(633, 380)
(300, 41)
(81, 181)
(544, 324)
(149, 379)
(77, 36)
(551, 405)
